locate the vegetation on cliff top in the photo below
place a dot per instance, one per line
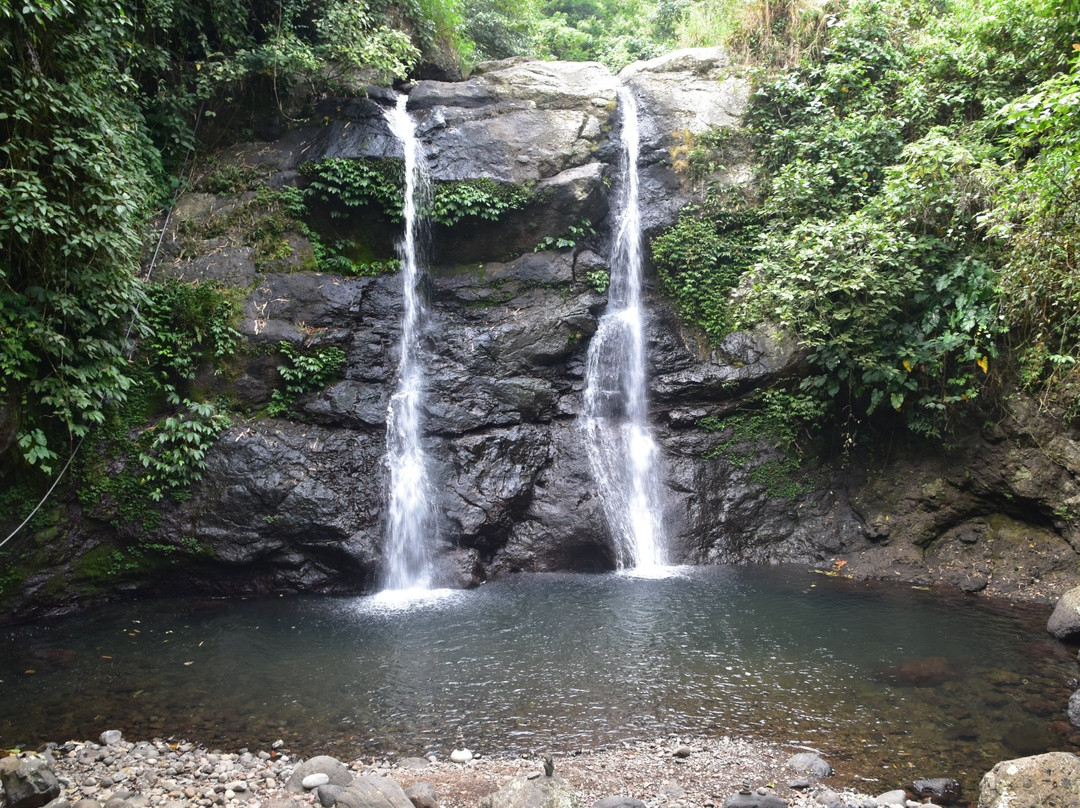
(916, 216)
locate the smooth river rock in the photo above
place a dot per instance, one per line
(1064, 622)
(369, 791)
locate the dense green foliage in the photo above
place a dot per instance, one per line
(918, 170)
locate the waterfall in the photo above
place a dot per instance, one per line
(621, 449)
(411, 520)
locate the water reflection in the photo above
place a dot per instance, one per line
(558, 662)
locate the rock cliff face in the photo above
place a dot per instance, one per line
(299, 504)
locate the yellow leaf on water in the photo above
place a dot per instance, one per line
(31, 670)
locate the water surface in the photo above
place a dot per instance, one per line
(560, 662)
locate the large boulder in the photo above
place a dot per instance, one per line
(535, 792)
(1064, 622)
(28, 782)
(518, 122)
(1042, 781)
(369, 791)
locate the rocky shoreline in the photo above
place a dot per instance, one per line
(671, 772)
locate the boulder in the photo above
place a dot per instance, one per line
(517, 122)
(336, 772)
(1046, 780)
(539, 792)
(28, 782)
(422, 795)
(811, 763)
(1064, 622)
(369, 791)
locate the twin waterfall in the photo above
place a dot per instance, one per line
(622, 453)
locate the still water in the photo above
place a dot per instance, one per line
(865, 672)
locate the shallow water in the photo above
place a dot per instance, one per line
(560, 662)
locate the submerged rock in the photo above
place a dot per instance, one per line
(812, 763)
(940, 789)
(924, 672)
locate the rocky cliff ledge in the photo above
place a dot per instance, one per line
(298, 503)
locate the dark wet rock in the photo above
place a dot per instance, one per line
(1052, 779)
(422, 795)
(942, 790)
(925, 672)
(538, 792)
(754, 801)
(337, 773)
(811, 763)
(28, 782)
(1064, 622)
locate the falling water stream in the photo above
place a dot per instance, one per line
(411, 519)
(622, 452)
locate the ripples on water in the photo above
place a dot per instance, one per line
(556, 662)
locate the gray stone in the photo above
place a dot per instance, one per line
(111, 737)
(618, 802)
(328, 794)
(422, 795)
(370, 791)
(939, 789)
(811, 763)
(1052, 779)
(337, 773)
(28, 782)
(413, 763)
(86, 802)
(542, 792)
(754, 801)
(59, 802)
(1064, 622)
(896, 797)
(1074, 708)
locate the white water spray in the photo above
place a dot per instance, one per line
(411, 520)
(621, 449)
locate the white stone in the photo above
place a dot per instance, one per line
(461, 756)
(315, 780)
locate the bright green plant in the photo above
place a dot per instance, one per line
(304, 371)
(480, 198)
(700, 259)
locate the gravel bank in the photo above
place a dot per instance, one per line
(665, 773)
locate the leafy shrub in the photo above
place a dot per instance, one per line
(303, 371)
